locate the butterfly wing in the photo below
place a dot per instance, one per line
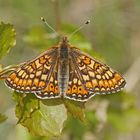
(92, 77)
(76, 90)
(52, 89)
(34, 75)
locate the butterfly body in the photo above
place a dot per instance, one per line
(65, 71)
(63, 66)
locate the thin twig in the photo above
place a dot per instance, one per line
(57, 15)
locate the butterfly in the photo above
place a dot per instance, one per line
(64, 71)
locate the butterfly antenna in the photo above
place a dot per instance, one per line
(80, 27)
(46, 23)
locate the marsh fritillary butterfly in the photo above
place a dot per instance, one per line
(65, 71)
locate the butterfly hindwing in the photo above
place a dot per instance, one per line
(34, 75)
(52, 89)
(76, 90)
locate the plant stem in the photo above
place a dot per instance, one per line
(57, 15)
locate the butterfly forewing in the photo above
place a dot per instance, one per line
(34, 75)
(91, 77)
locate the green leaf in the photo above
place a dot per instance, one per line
(2, 118)
(125, 121)
(75, 108)
(40, 39)
(92, 120)
(7, 38)
(26, 105)
(42, 118)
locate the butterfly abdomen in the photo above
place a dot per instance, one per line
(63, 68)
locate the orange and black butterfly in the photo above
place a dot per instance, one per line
(65, 71)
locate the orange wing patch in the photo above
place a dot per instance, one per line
(33, 76)
(76, 89)
(52, 89)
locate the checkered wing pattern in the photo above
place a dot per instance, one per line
(51, 90)
(33, 76)
(89, 77)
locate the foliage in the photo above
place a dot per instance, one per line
(120, 118)
(47, 117)
(113, 29)
(41, 119)
(7, 38)
(2, 118)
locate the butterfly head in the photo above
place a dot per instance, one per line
(64, 42)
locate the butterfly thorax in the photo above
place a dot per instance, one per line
(63, 66)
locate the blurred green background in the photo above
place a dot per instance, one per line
(112, 36)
